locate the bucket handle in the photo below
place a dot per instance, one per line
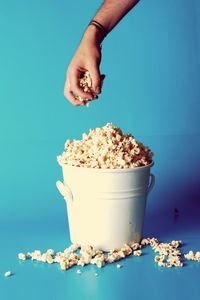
(151, 185)
(65, 191)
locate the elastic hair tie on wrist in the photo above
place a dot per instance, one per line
(100, 27)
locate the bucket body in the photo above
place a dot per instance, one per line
(105, 207)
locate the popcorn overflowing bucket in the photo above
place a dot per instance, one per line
(105, 207)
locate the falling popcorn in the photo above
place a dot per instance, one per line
(8, 274)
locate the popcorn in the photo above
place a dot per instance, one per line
(22, 256)
(50, 252)
(117, 254)
(136, 246)
(99, 260)
(49, 259)
(8, 274)
(145, 242)
(106, 148)
(137, 252)
(85, 83)
(167, 255)
(193, 256)
(64, 265)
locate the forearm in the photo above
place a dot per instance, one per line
(109, 14)
(112, 11)
(88, 54)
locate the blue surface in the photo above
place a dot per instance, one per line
(156, 49)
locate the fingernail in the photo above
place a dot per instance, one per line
(97, 90)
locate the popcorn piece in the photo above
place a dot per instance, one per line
(49, 259)
(126, 250)
(50, 252)
(22, 256)
(99, 260)
(159, 258)
(161, 264)
(169, 265)
(106, 148)
(175, 244)
(137, 252)
(8, 274)
(135, 246)
(78, 271)
(64, 265)
(119, 266)
(145, 242)
(71, 249)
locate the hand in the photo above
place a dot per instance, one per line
(86, 58)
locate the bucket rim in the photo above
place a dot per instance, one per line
(128, 170)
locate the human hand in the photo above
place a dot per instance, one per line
(86, 58)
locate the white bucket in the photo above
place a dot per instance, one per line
(105, 206)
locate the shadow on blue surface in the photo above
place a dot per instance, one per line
(179, 215)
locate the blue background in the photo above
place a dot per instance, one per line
(152, 89)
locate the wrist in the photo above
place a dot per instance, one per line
(93, 35)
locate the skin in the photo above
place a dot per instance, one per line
(88, 55)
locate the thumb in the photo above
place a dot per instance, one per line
(96, 79)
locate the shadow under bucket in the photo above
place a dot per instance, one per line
(106, 207)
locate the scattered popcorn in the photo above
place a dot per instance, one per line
(49, 259)
(78, 272)
(22, 256)
(137, 252)
(135, 246)
(72, 248)
(159, 258)
(50, 252)
(106, 148)
(8, 274)
(176, 244)
(64, 265)
(119, 266)
(193, 256)
(167, 255)
(144, 242)
(161, 264)
(117, 254)
(99, 260)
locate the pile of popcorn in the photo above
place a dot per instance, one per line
(168, 254)
(106, 148)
